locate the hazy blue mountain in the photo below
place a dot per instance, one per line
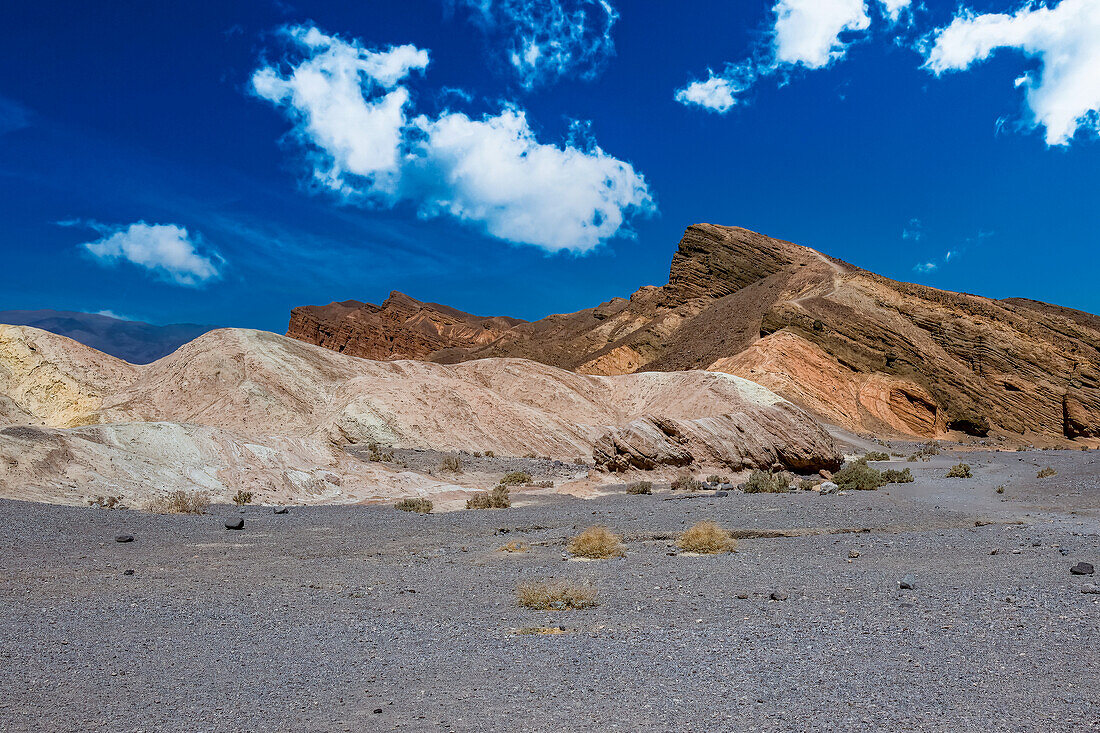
(132, 341)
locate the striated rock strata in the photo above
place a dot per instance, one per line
(856, 349)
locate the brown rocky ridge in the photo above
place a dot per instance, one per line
(857, 349)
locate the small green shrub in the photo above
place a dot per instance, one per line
(876, 456)
(960, 470)
(858, 476)
(1046, 473)
(420, 506)
(686, 483)
(498, 498)
(640, 487)
(892, 476)
(762, 482)
(242, 497)
(807, 484)
(516, 478)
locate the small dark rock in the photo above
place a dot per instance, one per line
(377, 711)
(1091, 588)
(1082, 568)
(280, 510)
(721, 493)
(778, 595)
(908, 582)
(742, 596)
(127, 572)
(124, 538)
(234, 523)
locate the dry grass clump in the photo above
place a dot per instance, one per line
(597, 543)
(686, 483)
(706, 538)
(960, 470)
(877, 456)
(419, 505)
(376, 454)
(716, 479)
(640, 487)
(490, 454)
(1046, 473)
(106, 502)
(498, 498)
(762, 482)
(556, 595)
(516, 478)
(516, 546)
(451, 464)
(242, 497)
(892, 476)
(858, 476)
(180, 502)
(926, 451)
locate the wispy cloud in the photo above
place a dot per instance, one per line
(925, 266)
(1064, 96)
(812, 34)
(545, 40)
(167, 251)
(913, 231)
(352, 116)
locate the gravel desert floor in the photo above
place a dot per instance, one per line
(358, 618)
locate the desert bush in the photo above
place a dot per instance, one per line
(418, 505)
(858, 476)
(556, 595)
(532, 454)
(716, 479)
(477, 454)
(451, 464)
(706, 538)
(1046, 473)
(686, 483)
(242, 497)
(106, 502)
(926, 451)
(959, 470)
(375, 453)
(876, 455)
(892, 476)
(762, 482)
(516, 478)
(498, 498)
(490, 454)
(1001, 489)
(913, 458)
(578, 461)
(543, 484)
(516, 546)
(597, 543)
(640, 487)
(180, 502)
(807, 484)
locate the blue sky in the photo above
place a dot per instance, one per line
(221, 162)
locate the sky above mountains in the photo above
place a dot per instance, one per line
(221, 163)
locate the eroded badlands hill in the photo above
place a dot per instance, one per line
(857, 349)
(249, 409)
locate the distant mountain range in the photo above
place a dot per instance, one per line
(132, 341)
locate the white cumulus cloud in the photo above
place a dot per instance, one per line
(549, 39)
(493, 173)
(344, 99)
(719, 92)
(807, 33)
(1065, 38)
(166, 250)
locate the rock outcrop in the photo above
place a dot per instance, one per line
(856, 349)
(761, 438)
(400, 328)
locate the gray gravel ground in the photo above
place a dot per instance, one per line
(315, 620)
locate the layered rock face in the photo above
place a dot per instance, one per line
(400, 328)
(856, 349)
